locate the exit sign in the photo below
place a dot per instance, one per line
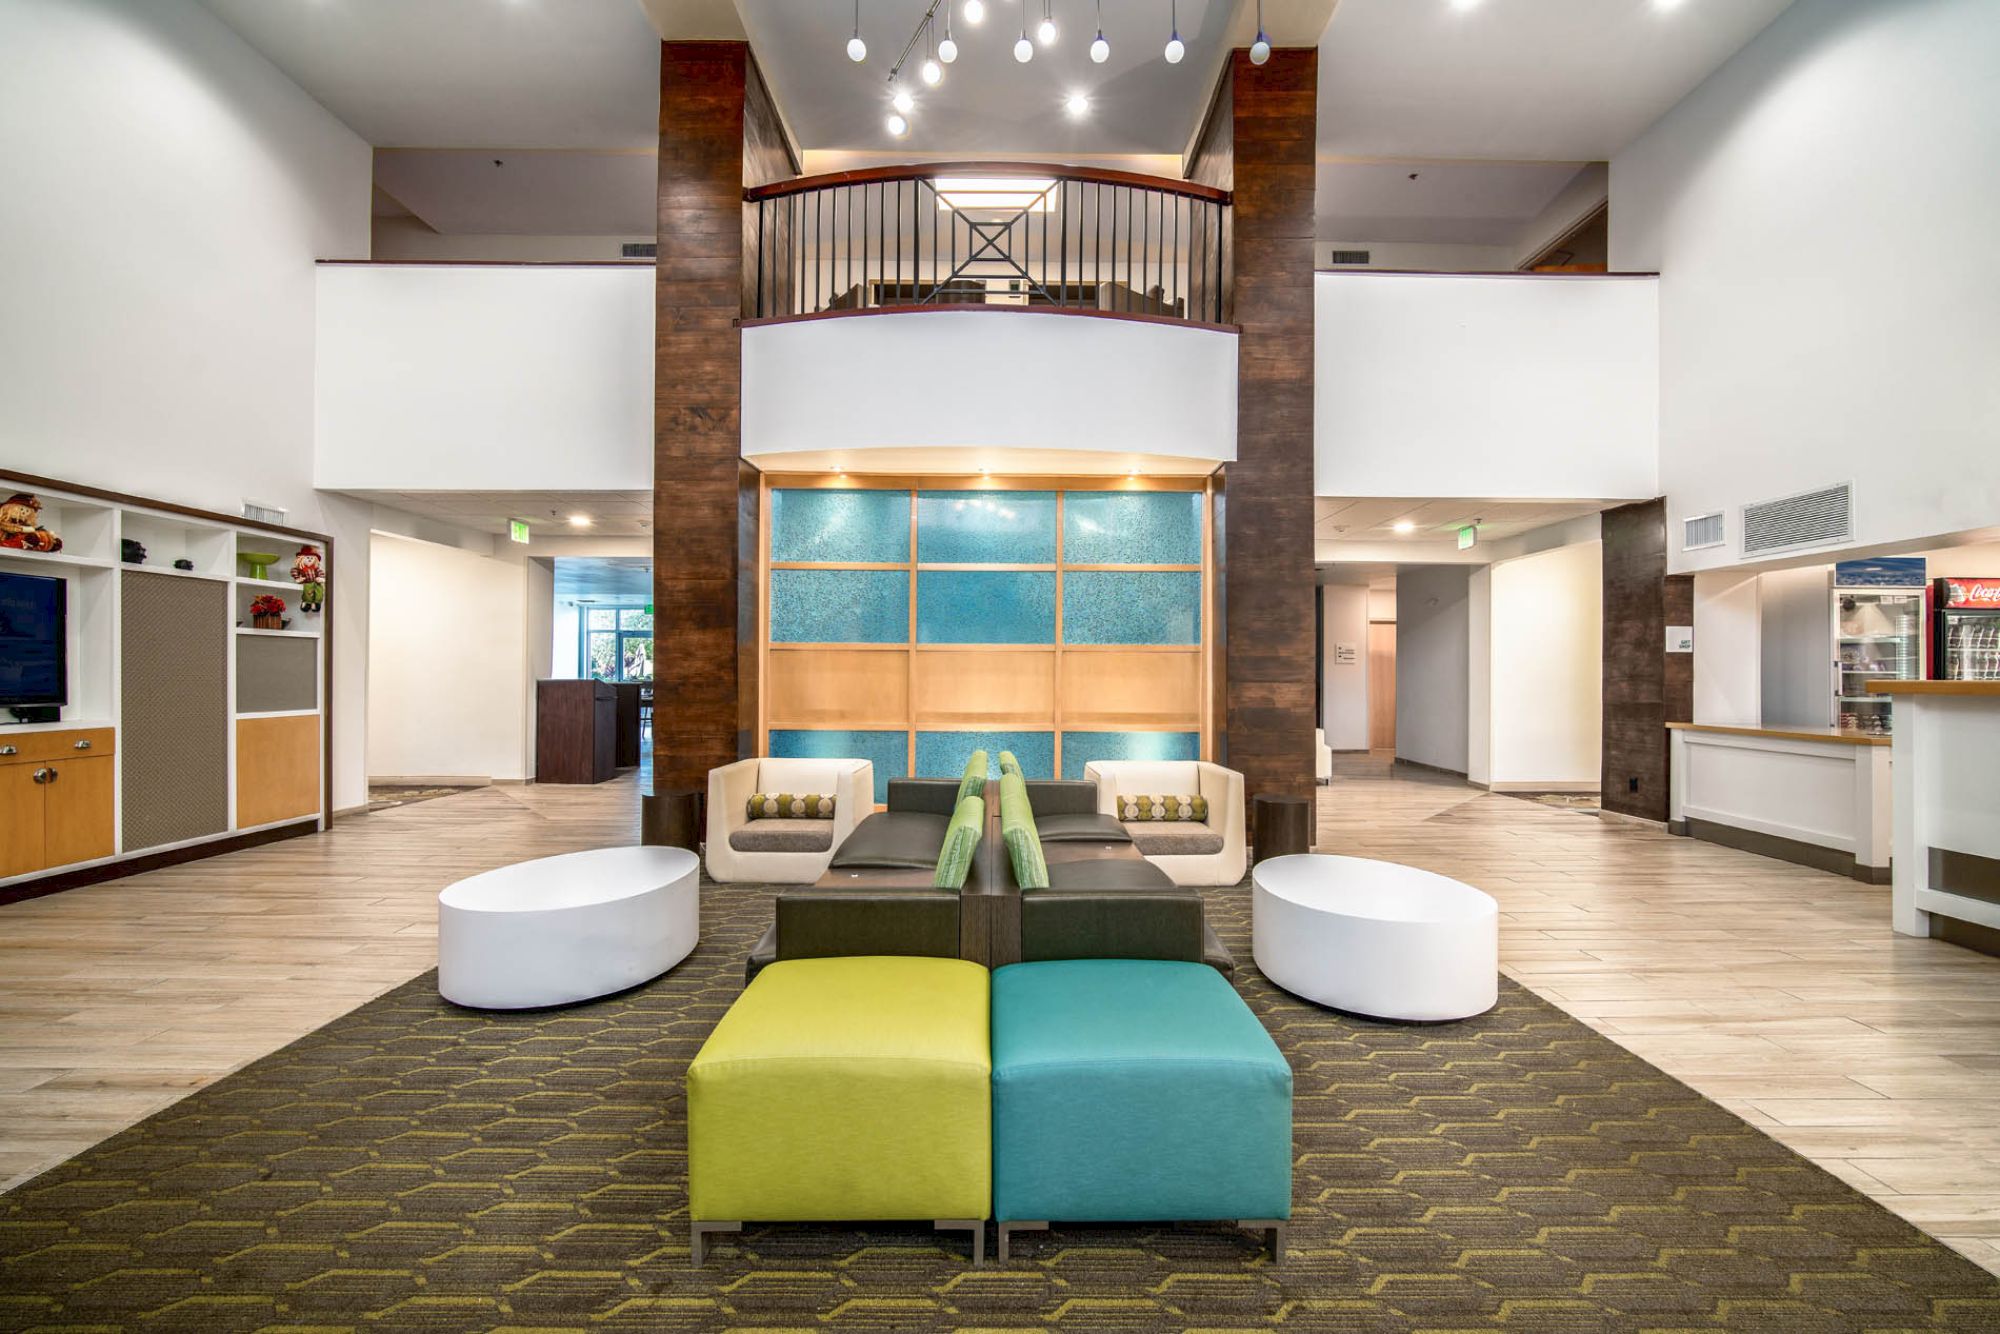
(1467, 536)
(517, 530)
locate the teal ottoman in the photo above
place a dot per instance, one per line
(1135, 1090)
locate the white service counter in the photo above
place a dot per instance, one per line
(1818, 797)
(1947, 808)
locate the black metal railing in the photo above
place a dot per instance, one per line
(986, 234)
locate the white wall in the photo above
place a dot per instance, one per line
(1345, 621)
(449, 662)
(1821, 213)
(1544, 711)
(1432, 665)
(488, 378)
(1795, 633)
(1479, 676)
(1728, 649)
(989, 379)
(166, 193)
(1538, 386)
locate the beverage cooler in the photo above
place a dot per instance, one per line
(1878, 635)
(1965, 630)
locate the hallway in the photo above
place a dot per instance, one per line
(1876, 1056)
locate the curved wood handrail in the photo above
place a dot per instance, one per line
(925, 170)
(1134, 316)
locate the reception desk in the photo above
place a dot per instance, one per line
(1814, 796)
(1947, 837)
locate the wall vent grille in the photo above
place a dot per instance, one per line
(263, 513)
(1347, 256)
(1703, 530)
(641, 250)
(1810, 519)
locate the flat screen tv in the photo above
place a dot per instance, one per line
(34, 640)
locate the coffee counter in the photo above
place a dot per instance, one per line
(1815, 796)
(1947, 795)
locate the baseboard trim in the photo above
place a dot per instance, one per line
(431, 780)
(152, 861)
(1430, 768)
(1529, 789)
(1623, 817)
(1787, 850)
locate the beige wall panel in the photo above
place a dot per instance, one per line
(1115, 689)
(836, 687)
(985, 688)
(277, 769)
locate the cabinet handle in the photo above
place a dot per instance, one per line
(43, 775)
(10, 750)
(82, 745)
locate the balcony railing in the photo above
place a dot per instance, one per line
(987, 234)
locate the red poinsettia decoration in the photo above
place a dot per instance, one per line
(268, 605)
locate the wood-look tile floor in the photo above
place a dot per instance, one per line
(1778, 991)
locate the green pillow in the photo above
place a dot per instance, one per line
(1009, 765)
(973, 783)
(961, 839)
(1017, 831)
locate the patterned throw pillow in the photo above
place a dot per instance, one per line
(790, 806)
(1163, 808)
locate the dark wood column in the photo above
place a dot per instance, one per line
(1258, 142)
(718, 133)
(1645, 687)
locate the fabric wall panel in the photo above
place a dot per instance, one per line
(173, 735)
(276, 675)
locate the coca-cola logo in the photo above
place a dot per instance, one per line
(1974, 592)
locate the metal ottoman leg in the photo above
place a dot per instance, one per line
(976, 1226)
(1006, 1229)
(697, 1238)
(1276, 1228)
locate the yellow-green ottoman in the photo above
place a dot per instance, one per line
(845, 1089)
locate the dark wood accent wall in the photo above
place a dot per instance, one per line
(1258, 143)
(1645, 687)
(719, 132)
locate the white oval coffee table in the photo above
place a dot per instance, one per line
(564, 929)
(1375, 938)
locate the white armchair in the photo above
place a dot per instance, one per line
(782, 852)
(1212, 853)
(1322, 756)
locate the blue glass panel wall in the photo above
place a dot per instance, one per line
(1081, 748)
(986, 607)
(1132, 528)
(986, 527)
(943, 754)
(840, 606)
(1131, 607)
(865, 527)
(889, 752)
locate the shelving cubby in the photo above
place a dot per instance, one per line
(208, 548)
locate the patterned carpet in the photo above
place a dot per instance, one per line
(416, 1167)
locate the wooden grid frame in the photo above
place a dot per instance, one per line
(779, 704)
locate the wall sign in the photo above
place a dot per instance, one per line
(1680, 639)
(1345, 655)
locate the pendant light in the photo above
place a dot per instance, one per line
(1024, 50)
(931, 72)
(1100, 50)
(1046, 33)
(947, 50)
(857, 50)
(975, 12)
(1176, 48)
(1260, 50)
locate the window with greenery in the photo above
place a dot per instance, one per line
(618, 643)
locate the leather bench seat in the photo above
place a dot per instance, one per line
(1090, 828)
(905, 839)
(773, 834)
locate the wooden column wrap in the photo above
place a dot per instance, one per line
(1645, 687)
(1259, 142)
(718, 133)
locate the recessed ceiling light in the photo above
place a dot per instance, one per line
(1463, 6)
(1404, 526)
(1077, 104)
(1665, 5)
(579, 521)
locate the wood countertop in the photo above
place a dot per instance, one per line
(1832, 734)
(1989, 689)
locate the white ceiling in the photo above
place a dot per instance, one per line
(1524, 80)
(1373, 519)
(612, 513)
(988, 103)
(1445, 203)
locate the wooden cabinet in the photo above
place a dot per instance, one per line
(277, 769)
(56, 799)
(576, 732)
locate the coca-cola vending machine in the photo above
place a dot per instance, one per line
(1965, 629)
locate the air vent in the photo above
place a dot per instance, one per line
(263, 513)
(1347, 256)
(1811, 519)
(1703, 530)
(641, 250)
